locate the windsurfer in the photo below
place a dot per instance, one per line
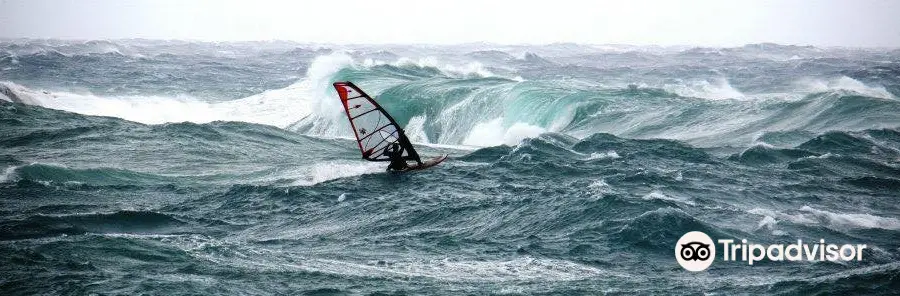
(395, 153)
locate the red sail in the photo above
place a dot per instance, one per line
(373, 127)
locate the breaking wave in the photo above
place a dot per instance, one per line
(485, 103)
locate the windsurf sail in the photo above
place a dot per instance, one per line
(373, 127)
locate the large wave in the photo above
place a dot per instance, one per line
(482, 99)
(441, 107)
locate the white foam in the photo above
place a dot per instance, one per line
(600, 186)
(486, 134)
(468, 70)
(604, 155)
(810, 216)
(660, 196)
(823, 156)
(757, 145)
(446, 269)
(143, 109)
(518, 269)
(844, 83)
(853, 220)
(493, 133)
(564, 117)
(715, 89)
(767, 222)
(449, 146)
(780, 216)
(460, 71)
(279, 107)
(25, 95)
(415, 129)
(761, 144)
(9, 174)
(330, 170)
(520, 131)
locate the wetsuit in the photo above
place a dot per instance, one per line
(395, 153)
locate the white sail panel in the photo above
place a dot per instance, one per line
(374, 128)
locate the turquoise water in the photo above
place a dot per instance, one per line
(154, 167)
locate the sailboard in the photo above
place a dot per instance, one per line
(375, 129)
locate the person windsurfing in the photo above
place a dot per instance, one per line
(378, 135)
(395, 153)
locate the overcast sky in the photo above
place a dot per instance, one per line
(660, 22)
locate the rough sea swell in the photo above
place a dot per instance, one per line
(156, 167)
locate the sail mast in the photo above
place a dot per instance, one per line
(373, 127)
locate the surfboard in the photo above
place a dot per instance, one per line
(427, 164)
(375, 130)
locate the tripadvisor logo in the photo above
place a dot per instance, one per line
(695, 251)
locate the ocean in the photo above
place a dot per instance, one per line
(153, 167)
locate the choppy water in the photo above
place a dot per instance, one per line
(156, 167)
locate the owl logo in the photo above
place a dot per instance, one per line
(695, 251)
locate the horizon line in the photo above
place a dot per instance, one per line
(4, 39)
